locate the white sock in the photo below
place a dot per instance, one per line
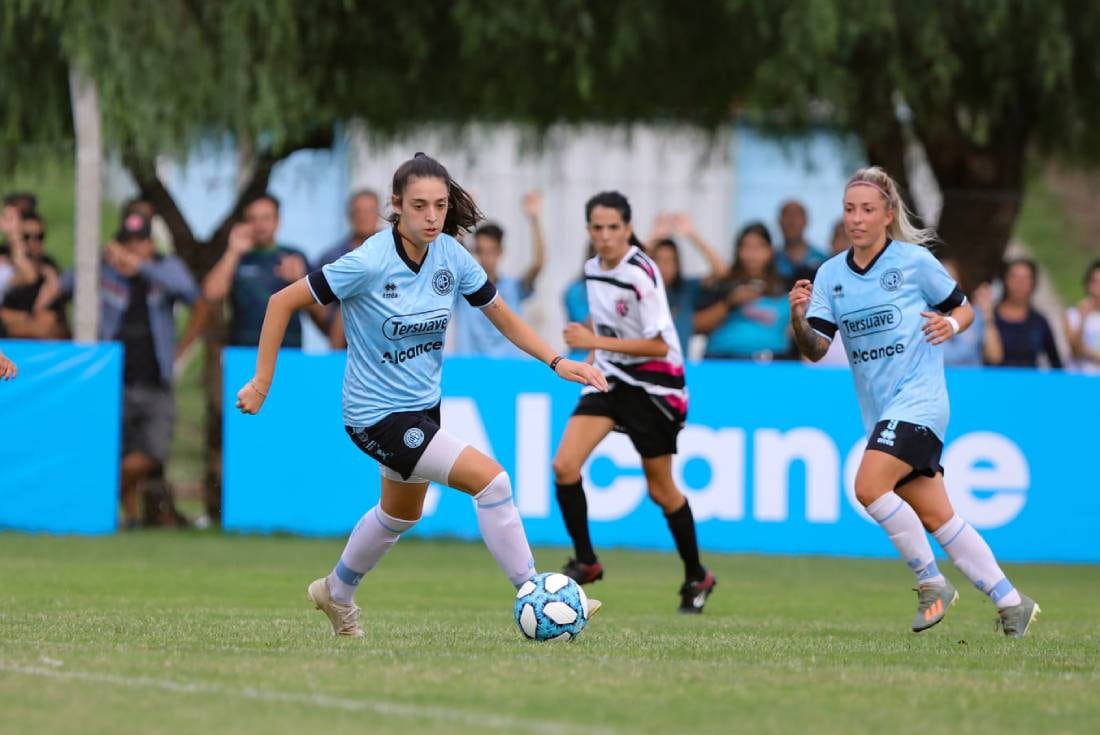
(904, 528)
(371, 538)
(973, 557)
(502, 529)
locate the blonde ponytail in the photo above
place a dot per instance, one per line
(902, 228)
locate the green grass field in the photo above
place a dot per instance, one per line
(203, 633)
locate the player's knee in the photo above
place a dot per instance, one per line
(868, 491)
(566, 469)
(666, 495)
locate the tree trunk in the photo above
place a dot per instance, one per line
(982, 191)
(89, 169)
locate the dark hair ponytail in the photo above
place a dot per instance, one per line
(611, 200)
(462, 212)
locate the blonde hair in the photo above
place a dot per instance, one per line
(902, 228)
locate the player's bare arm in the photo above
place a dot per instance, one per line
(811, 344)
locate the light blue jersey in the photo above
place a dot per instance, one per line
(898, 374)
(395, 315)
(476, 335)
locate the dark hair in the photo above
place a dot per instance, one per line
(668, 242)
(492, 231)
(611, 200)
(362, 193)
(25, 200)
(1028, 263)
(1093, 267)
(462, 212)
(34, 217)
(771, 275)
(265, 197)
(130, 206)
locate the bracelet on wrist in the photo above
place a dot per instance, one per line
(257, 388)
(554, 363)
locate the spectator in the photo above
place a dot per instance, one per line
(475, 334)
(747, 314)
(840, 238)
(683, 293)
(23, 201)
(363, 216)
(575, 301)
(797, 259)
(138, 292)
(253, 268)
(30, 308)
(1025, 333)
(1082, 323)
(981, 343)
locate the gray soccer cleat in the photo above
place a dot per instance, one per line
(344, 618)
(1016, 620)
(932, 604)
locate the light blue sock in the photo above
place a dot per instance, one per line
(371, 538)
(904, 528)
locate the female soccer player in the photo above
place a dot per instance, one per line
(894, 304)
(397, 293)
(637, 348)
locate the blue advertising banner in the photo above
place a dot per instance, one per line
(768, 458)
(59, 437)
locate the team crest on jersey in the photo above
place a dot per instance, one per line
(621, 307)
(891, 280)
(443, 282)
(414, 438)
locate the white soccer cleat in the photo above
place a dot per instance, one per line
(344, 618)
(593, 607)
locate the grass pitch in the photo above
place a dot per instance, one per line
(202, 633)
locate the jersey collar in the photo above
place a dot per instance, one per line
(851, 259)
(412, 264)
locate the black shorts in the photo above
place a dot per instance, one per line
(651, 426)
(398, 440)
(915, 445)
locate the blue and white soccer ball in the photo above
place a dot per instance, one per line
(551, 607)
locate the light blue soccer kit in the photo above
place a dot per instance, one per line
(903, 398)
(877, 311)
(395, 315)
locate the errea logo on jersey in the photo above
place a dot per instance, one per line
(871, 320)
(420, 324)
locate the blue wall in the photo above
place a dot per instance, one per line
(59, 437)
(768, 458)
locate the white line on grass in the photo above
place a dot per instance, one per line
(391, 709)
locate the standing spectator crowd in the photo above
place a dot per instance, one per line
(736, 310)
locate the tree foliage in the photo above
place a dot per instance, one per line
(987, 83)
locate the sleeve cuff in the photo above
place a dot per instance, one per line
(319, 287)
(482, 297)
(824, 327)
(956, 299)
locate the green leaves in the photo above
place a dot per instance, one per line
(997, 73)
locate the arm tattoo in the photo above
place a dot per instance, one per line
(811, 344)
